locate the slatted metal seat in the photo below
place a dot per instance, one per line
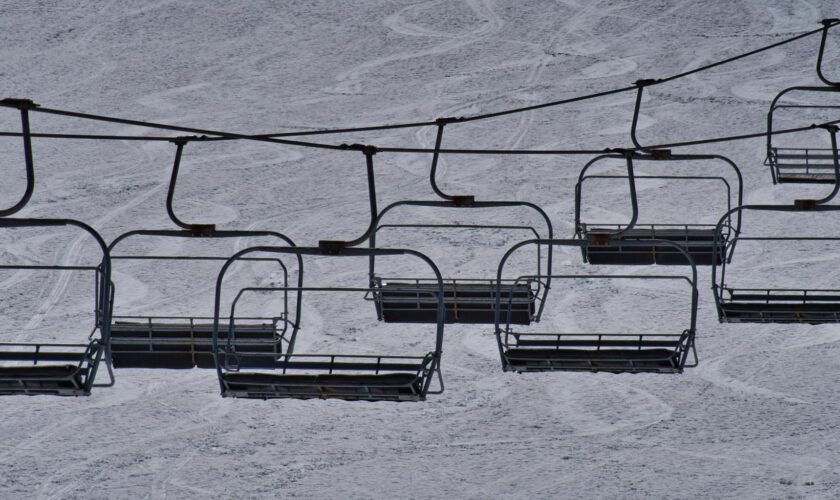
(66, 369)
(403, 298)
(783, 305)
(780, 306)
(649, 352)
(705, 244)
(414, 301)
(245, 373)
(616, 353)
(802, 165)
(376, 378)
(69, 369)
(183, 343)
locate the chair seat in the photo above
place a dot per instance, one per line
(468, 303)
(180, 345)
(42, 379)
(780, 312)
(699, 243)
(608, 360)
(391, 386)
(792, 178)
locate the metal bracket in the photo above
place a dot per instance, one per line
(660, 154)
(805, 205)
(463, 200)
(19, 103)
(332, 247)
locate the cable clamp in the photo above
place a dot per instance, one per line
(627, 153)
(805, 205)
(659, 154)
(182, 140)
(646, 81)
(20, 104)
(332, 247)
(200, 230)
(448, 119)
(463, 200)
(367, 149)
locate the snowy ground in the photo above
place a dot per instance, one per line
(757, 419)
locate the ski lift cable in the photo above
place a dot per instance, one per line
(276, 137)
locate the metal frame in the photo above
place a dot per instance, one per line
(404, 300)
(77, 376)
(176, 333)
(798, 154)
(406, 286)
(782, 305)
(778, 305)
(196, 329)
(239, 374)
(624, 232)
(827, 24)
(586, 351)
(23, 105)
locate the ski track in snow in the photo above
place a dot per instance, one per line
(756, 419)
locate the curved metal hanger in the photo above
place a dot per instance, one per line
(602, 238)
(805, 204)
(197, 229)
(337, 247)
(827, 24)
(23, 105)
(640, 87)
(456, 199)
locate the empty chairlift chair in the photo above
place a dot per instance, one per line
(774, 304)
(635, 350)
(155, 341)
(244, 373)
(175, 342)
(801, 163)
(615, 243)
(406, 299)
(65, 369)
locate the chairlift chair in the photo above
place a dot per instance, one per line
(634, 351)
(802, 165)
(781, 305)
(244, 373)
(64, 369)
(182, 342)
(610, 243)
(403, 299)
(776, 304)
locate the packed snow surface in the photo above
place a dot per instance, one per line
(757, 419)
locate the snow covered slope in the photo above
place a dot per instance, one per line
(757, 419)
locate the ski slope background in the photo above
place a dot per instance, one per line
(757, 419)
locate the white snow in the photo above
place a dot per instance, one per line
(757, 419)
